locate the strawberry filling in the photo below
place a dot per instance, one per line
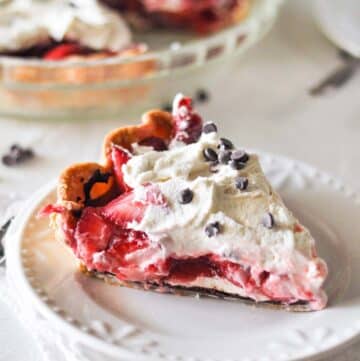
(104, 243)
(105, 246)
(62, 51)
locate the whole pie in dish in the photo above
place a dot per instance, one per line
(176, 208)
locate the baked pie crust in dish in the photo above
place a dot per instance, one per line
(175, 208)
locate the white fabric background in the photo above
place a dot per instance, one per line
(263, 103)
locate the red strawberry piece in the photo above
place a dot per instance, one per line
(50, 209)
(127, 242)
(187, 123)
(157, 143)
(187, 270)
(119, 157)
(123, 244)
(124, 209)
(234, 273)
(93, 233)
(62, 51)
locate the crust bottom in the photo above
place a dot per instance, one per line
(300, 306)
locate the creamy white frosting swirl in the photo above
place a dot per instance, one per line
(243, 238)
(25, 23)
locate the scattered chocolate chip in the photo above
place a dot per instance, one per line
(15, 147)
(210, 155)
(17, 155)
(225, 144)
(157, 143)
(268, 220)
(209, 127)
(167, 107)
(186, 196)
(240, 156)
(241, 183)
(212, 229)
(202, 96)
(224, 156)
(234, 164)
(8, 160)
(28, 153)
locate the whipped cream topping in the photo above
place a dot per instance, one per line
(26, 23)
(179, 228)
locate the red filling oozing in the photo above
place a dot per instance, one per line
(105, 246)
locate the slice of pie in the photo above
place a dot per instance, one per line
(174, 207)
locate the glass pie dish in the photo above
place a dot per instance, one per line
(108, 87)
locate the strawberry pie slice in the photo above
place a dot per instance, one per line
(176, 208)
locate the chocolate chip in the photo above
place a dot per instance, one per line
(210, 155)
(212, 229)
(28, 153)
(15, 147)
(241, 183)
(167, 107)
(209, 127)
(240, 156)
(202, 96)
(8, 160)
(225, 144)
(234, 164)
(186, 196)
(268, 220)
(17, 155)
(224, 156)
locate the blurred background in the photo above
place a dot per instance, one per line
(274, 82)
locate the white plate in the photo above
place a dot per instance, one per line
(103, 322)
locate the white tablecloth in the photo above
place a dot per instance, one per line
(264, 103)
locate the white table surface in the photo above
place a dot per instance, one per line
(265, 99)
